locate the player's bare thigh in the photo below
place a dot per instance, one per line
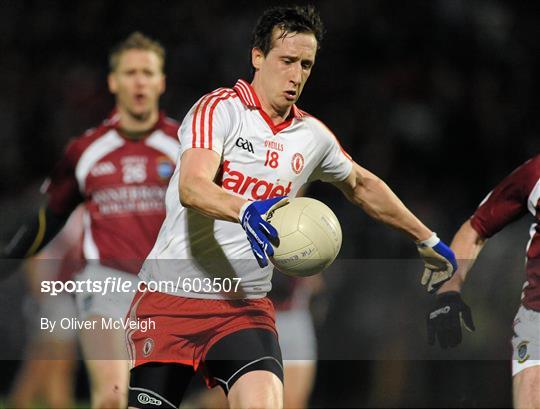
(257, 389)
(106, 360)
(526, 385)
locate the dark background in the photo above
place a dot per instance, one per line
(436, 97)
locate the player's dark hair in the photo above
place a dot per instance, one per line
(289, 19)
(136, 41)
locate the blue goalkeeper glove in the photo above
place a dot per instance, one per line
(261, 234)
(439, 260)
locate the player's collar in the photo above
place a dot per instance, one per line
(249, 98)
(113, 119)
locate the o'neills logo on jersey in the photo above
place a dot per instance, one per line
(260, 189)
(277, 146)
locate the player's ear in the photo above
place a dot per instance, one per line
(257, 57)
(113, 86)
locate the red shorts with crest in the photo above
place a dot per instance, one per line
(169, 328)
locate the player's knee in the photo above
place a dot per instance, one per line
(260, 402)
(109, 403)
(264, 396)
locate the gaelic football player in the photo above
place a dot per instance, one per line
(515, 196)
(119, 171)
(243, 149)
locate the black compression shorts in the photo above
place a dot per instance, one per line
(162, 385)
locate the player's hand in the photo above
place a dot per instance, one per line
(445, 318)
(261, 234)
(439, 260)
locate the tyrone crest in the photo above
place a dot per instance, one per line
(148, 346)
(297, 163)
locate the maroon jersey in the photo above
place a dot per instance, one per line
(518, 193)
(122, 183)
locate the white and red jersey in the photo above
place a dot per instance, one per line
(516, 195)
(122, 183)
(259, 160)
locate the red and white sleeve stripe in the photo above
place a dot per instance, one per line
(244, 90)
(202, 125)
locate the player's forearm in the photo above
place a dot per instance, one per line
(379, 202)
(466, 245)
(209, 199)
(382, 204)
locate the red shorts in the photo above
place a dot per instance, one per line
(182, 330)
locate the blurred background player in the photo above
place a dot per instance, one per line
(120, 171)
(516, 195)
(297, 339)
(237, 149)
(47, 375)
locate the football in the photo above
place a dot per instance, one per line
(309, 237)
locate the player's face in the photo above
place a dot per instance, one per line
(283, 72)
(137, 83)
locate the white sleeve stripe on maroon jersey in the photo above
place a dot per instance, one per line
(90, 250)
(201, 118)
(532, 200)
(102, 146)
(166, 145)
(532, 234)
(485, 199)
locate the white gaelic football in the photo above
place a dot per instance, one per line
(309, 235)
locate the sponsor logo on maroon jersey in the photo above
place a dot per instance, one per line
(297, 163)
(259, 189)
(103, 168)
(130, 199)
(164, 167)
(522, 352)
